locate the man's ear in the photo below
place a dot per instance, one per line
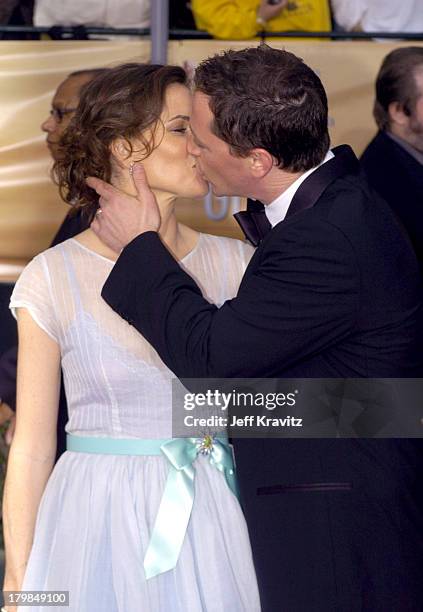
(261, 162)
(397, 114)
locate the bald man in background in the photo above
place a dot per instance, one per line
(63, 107)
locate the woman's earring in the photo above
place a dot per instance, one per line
(131, 168)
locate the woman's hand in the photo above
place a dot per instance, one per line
(122, 217)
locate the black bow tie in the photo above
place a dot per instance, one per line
(253, 222)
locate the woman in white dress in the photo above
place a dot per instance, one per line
(104, 524)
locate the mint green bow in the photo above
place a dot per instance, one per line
(178, 497)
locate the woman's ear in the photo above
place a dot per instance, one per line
(121, 152)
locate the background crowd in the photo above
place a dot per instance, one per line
(223, 19)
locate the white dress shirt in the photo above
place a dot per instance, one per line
(276, 210)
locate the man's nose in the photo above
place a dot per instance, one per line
(49, 125)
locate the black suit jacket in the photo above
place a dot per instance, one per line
(332, 291)
(398, 177)
(71, 226)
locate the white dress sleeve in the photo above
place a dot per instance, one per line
(33, 291)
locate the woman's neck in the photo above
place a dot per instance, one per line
(178, 238)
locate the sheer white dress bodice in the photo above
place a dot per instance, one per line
(116, 384)
(97, 511)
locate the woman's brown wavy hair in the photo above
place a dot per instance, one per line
(123, 102)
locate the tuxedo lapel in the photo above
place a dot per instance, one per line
(254, 222)
(306, 196)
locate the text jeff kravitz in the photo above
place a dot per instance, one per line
(246, 421)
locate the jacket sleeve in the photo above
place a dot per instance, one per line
(230, 19)
(299, 300)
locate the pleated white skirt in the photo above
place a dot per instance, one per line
(93, 527)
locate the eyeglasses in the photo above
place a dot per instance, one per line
(59, 113)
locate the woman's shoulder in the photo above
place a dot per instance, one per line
(46, 260)
(51, 253)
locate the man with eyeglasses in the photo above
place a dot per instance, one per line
(63, 106)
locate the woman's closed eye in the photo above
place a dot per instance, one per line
(180, 130)
(178, 124)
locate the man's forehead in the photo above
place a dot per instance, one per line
(201, 99)
(69, 89)
(201, 113)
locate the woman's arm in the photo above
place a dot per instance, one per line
(33, 449)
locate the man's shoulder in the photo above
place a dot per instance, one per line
(347, 210)
(380, 142)
(311, 229)
(392, 171)
(345, 200)
(352, 204)
(382, 152)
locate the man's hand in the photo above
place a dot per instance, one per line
(122, 217)
(268, 11)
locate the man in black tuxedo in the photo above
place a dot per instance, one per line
(63, 106)
(393, 160)
(333, 291)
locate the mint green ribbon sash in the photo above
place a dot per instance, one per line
(178, 497)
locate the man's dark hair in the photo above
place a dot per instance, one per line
(396, 82)
(267, 98)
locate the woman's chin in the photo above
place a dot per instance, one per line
(196, 191)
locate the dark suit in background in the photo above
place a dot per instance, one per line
(333, 291)
(71, 226)
(398, 178)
